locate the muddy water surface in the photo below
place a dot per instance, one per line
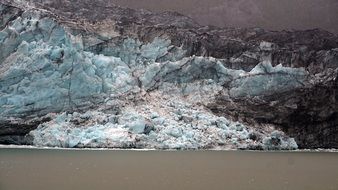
(34, 169)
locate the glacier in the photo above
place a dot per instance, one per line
(133, 94)
(51, 72)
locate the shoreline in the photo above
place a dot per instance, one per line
(167, 150)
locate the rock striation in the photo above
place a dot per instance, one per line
(93, 74)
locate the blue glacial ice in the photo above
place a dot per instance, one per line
(45, 70)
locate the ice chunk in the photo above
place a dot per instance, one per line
(278, 141)
(137, 126)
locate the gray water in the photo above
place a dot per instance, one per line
(34, 169)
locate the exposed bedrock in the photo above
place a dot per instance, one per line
(100, 75)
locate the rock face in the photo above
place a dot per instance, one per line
(92, 74)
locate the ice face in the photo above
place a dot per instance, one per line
(45, 69)
(265, 79)
(51, 73)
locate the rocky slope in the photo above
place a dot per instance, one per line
(92, 74)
